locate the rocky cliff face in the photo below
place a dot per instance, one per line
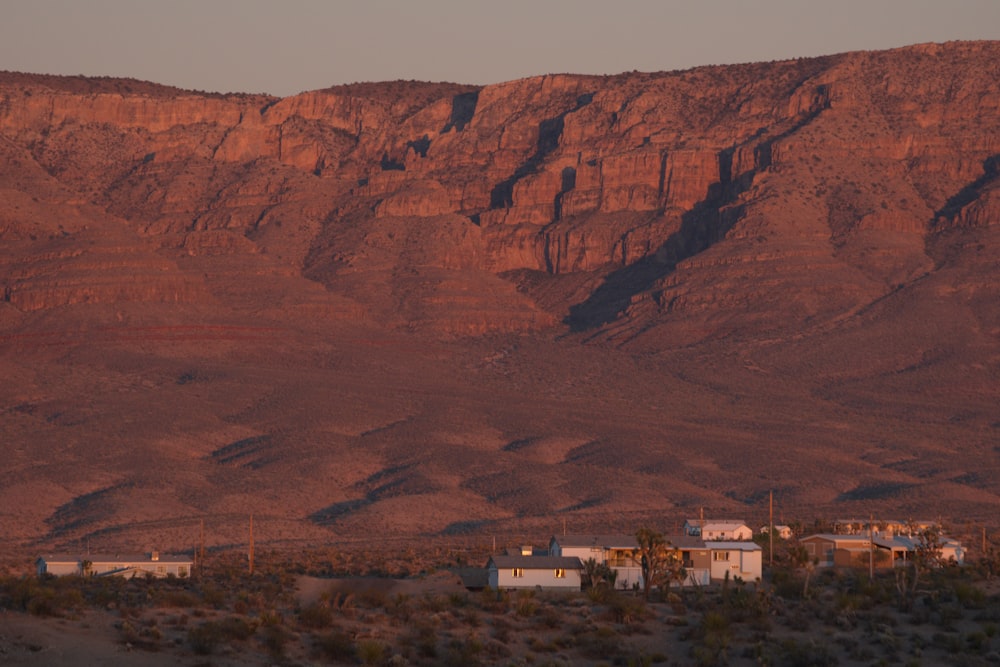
(438, 306)
(727, 193)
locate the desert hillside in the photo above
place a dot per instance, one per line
(433, 309)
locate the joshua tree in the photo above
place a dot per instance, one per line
(597, 574)
(653, 556)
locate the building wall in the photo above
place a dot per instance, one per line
(544, 578)
(821, 550)
(59, 569)
(125, 567)
(583, 553)
(744, 564)
(628, 577)
(697, 576)
(722, 534)
(752, 564)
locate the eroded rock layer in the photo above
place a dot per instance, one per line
(814, 240)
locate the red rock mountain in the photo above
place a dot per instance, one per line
(437, 308)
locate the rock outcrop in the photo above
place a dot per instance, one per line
(678, 190)
(442, 308)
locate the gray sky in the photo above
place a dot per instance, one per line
(287, 46)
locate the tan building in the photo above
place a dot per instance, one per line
(828, 549)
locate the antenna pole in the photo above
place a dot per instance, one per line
(770, 530)
(871, 547)
(251, 544)
(201, 547)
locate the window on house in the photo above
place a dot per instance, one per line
(161, 569)
(560, 573)
(517, 572)
(182, 571)
(720, 555)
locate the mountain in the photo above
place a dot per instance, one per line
(434, 309)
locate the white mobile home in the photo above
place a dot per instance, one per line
(123, 565)
(738, 559)
(718, 529)
(545, 572)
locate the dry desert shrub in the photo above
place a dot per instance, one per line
(335, 645)
(526, 605)
(370, 651)
(315, 616)
(205, 638)
(50, 597)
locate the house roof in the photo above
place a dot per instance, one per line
(909, 543)
(735, 523)
(536, 562)
(734, 546)
(685, 541)
(601, 541)
(897, 542)
(833, 537)
(116, 559)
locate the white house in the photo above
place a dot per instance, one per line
(123, 565)
(545, 572)
(738, 559)
(902, 549)
(718, 529)
(616, 551)
(781, 530)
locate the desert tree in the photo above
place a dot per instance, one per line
(596, 575)
(926, 556)
(658, 559)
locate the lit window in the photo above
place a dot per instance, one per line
(560, 573)
(518, 572)
(720, 555)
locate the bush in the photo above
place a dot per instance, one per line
(625, 609)
(176, 599)
(316, 616)
(274, 638)
(526, 604)
(233, 627)
(205, 638)
(371, 652)
(336, 646)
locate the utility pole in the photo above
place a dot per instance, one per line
(251, 544)
(871, 547)
(770, 529)
(201, 548)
